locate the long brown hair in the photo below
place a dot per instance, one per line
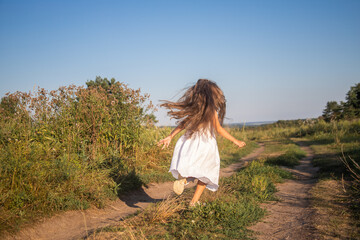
(195, 110)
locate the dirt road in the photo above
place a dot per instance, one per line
(292, 216)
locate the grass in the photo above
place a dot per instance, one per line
(225, 215)
(328, 155)
(334, 217)
(284, 153)
(289, 159)
(229, 153)
(336, 196)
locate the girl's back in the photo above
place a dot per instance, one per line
(200, 111)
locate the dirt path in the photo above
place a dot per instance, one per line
(292, 216)
(78, 224)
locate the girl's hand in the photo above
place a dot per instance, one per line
(240, 144)
(166, 141)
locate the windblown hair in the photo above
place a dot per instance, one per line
(195, 110)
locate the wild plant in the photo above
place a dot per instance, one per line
(354, 168)
(68, 148)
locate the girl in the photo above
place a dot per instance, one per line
(200, 111)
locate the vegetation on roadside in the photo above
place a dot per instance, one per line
(284, 153)
(224, 214)
(71, 148)
(337, 194)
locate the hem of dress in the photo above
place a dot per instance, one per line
(209, 184)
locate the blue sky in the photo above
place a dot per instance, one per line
(273, 59)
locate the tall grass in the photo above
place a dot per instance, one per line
(336, 147)
(69, 148)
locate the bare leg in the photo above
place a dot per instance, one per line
(199, 190)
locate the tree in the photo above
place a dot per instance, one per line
(348, 110)
(352, 104)
(332, 111)
(125, 97)
(8, 105)
(103, 82)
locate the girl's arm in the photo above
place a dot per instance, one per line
(225, 134)
(166, 141)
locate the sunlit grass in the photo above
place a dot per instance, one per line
(224, 214)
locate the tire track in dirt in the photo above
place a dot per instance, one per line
(291, 217)
(78, 224)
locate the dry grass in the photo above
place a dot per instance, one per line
(353, 167)
(333, 219)
(131, 228)
(125, 230)
(163, 210)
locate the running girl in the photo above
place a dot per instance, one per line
(200, 111)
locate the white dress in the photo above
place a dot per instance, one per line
(197, 157)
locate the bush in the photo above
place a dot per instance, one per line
(68, 148)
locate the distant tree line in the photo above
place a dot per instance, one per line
(350, 109)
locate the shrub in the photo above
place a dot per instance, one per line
(68, 148)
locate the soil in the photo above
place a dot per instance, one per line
(79, 224)
(291, 217)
